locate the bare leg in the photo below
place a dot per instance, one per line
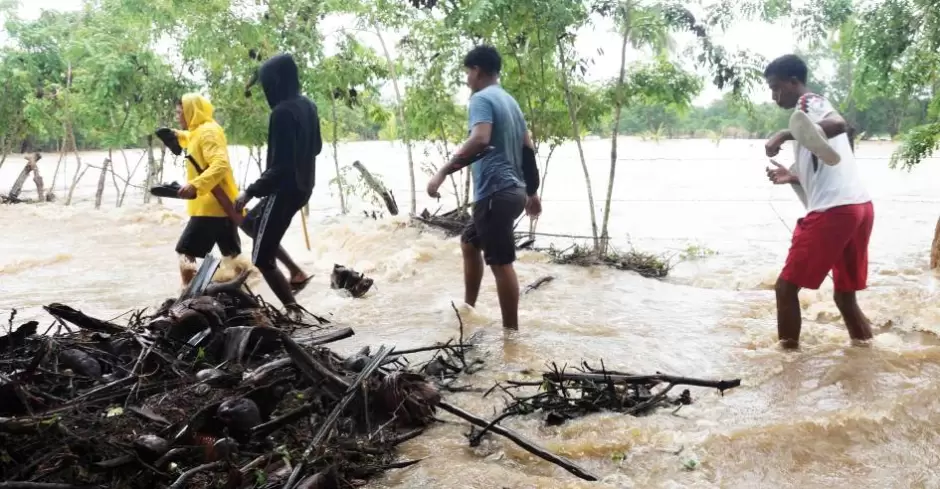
(507, 288)
(279, 285)
(187, 269)
(789, 322)
(855, 321)
(472, 273)
(296, 273)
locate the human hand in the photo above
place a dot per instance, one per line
(779, 175)
(241, 201)
(533, 206)
(772, 147)
(187, 191)
(434, 184)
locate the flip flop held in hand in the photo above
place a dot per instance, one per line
(835, 232)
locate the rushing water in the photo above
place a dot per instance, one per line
(828, 416)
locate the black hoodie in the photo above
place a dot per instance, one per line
(293, 132)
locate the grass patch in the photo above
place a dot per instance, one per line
(696, 252)
(647, 265)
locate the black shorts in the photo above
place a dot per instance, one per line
(202, 233)
(267, 224)
(491, 230)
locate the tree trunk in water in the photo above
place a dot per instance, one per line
(37, 178)
(935, 248)
(533, 223)
(339, 176)
(79, 171)
(151, 169)
(377, 187)
(618, 107)
(401, 115)
(466, 191)
(101, 179)
(17, 187)
(251, 156)
(58, 166)
(576, 132)
(453, 180)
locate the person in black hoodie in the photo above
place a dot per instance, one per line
(285, 186)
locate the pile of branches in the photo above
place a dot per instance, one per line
(562, 395)
(215, 389)
(646, 264)
(454, 222)
(451, 222)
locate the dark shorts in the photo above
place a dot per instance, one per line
(202, 233)
(267, 223)
(491, 230)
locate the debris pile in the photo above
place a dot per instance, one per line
(216, 389)
(563, 395)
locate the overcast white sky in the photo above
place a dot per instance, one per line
(769, 40)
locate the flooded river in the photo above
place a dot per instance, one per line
(828, 416)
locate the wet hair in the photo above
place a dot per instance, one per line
(786, 67)
(484, 57)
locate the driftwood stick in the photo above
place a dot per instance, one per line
(721, 385)
(378, 188)
(185, 476)
(521, 441)
(538, 283)
(283, 420)
(321, 435)
(309, 366)
(427, 348)
(332, 336)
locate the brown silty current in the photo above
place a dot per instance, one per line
(829, 416)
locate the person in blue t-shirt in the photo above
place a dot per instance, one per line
(505, 181)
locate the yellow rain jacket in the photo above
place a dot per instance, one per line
(205, 142)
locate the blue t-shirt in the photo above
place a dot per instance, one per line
(501, 168)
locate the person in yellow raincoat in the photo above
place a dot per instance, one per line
(204, 140)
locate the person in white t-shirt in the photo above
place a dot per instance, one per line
(835, 232)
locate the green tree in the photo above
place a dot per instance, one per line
(355, 70)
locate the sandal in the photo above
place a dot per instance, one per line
(297, 287)
(810, 136)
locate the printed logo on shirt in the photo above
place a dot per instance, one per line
(812, 103)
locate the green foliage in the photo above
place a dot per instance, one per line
(919, 143)
(658, 82)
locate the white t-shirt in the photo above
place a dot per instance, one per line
(825, 186)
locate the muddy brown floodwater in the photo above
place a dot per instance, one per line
(831, 415)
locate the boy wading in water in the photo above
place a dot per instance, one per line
(505, 182)
(835, 232)
(208, 224)
(286, 185)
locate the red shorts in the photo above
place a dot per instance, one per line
(835, 239)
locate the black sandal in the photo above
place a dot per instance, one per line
(297, 287)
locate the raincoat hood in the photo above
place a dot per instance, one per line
(197, 110)
(279, 79)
